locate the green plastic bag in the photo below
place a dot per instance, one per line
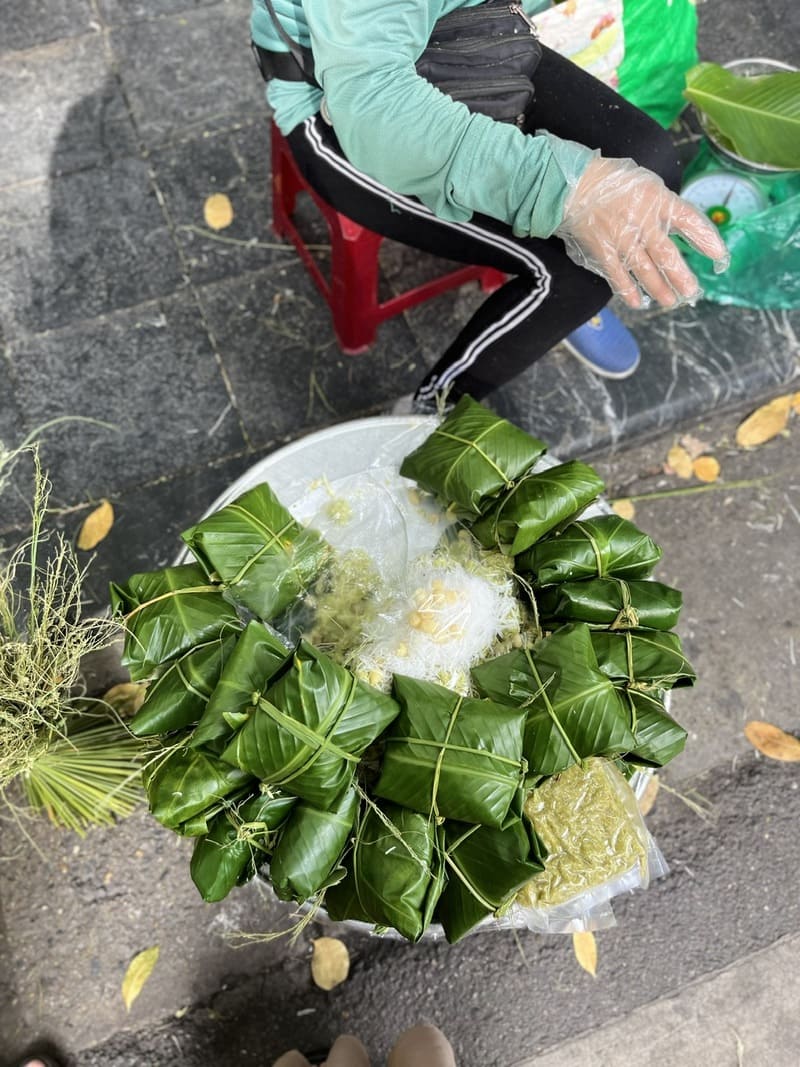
(660, 46)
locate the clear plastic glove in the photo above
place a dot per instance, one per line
(617, 222)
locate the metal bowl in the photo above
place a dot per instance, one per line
(748, 68)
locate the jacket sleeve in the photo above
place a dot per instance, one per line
(404, 132)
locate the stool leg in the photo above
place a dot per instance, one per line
(354, 285)
(491, 279)
(286, 184)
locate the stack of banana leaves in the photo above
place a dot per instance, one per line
(405, 808)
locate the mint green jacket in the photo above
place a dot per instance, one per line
(402, 131)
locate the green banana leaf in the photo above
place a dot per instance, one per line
(758, 117)
(310, 848)
(536, 505)
(485, 868)
(166, 613)
(307, 733)
(613, 602)
(658, 737)
(471, 457)
(395, 872)
(262, 555)
(256, 659)
(599, 547)
(178, 698)
(238, 842)
(573, 710)
(452, 757)
(644, 659)
(186, 782)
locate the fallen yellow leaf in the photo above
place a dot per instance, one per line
(139, 970)
(648, 797)
(218, 211)
(126, 698)
(330, 962)
(585, 948)
(706, 468)
(623, 507)
(796, 403)
(694, 446)
(96, 526)
(765, 422)
(772, 741)
(679, 461)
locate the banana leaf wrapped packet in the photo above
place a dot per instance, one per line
(658, 738)
(307, 733)
(185, 783)
(604, 546)
(395, 872)
(612, 602)
(485, 869)
(573, 710)
(310, 848)
(471, 457)
(262, 555)
(179, 696)
(238, 842)
(536, 505)
(643, 659)
(167, 613)
(257, 657)
(452, 757)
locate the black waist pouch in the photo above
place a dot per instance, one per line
(485, 57)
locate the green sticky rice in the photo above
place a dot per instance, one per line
(591, 828)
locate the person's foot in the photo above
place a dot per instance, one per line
(410, 405)
(605, 345)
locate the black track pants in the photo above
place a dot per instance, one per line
(547, 295)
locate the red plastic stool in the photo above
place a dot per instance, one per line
(352, 292)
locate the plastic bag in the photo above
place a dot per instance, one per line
(587, 32)
(660, 46)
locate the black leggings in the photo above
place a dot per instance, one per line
(547, 295)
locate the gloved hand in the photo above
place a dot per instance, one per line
(617, 222)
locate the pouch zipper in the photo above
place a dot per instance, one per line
(516, 9)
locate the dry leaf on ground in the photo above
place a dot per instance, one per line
(773, 742)
(694, 446)
(96, 526)
(139, 970)
(706, 468)
(330, 962)
(623, 507)
(765, 422)
(648, 797)
(679, 462)
(585, 948)
(218, 211)
(126, 698)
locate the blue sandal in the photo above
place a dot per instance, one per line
(605, 345)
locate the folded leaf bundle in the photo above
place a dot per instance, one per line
(256, 658)
(307, 732)
(471, 457)
(168, 612)
(536, 505)
(485, 868)
(598, 547)
(644, 659)
(613, 602)
(573, 710)
(262, 555)
(452, 757)
(310, 848)
(238, 841)
(658, 738)
(186, 782)
(395, 873)
(178, 698)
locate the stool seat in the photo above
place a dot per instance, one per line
(351, 291)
